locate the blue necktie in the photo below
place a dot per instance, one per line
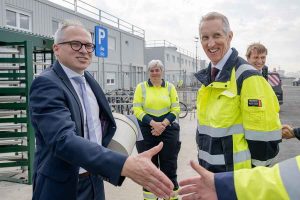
(89, 119)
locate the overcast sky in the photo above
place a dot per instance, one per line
(274, 23)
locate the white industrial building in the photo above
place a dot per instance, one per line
(128, 55)
(180, 64)
(123, 68)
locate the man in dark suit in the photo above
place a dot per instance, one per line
(73, 125)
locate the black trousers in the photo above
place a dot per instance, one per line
(90, 188)
(166, 159)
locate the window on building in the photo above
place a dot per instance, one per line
(178, 59)
(11, 18)
(111, 43)
(18, 19)
(185, 62)
(54, 26)
(168, 77)
(168, 57)
(92, 35)
(173, 57)
(110, 78)
(24, 21)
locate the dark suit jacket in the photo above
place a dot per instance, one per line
(57, 118)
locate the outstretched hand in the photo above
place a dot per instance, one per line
(142, 171)
(199, 187)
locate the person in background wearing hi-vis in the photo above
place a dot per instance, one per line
(237, 110)
(256, 56)
(156, 106)
(73, 125)
(180, 83)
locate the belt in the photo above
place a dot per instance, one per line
(85, 174)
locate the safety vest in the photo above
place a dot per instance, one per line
(150, 196)
(238, 118)
(155, 101)
(280, 182)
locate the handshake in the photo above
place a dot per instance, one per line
(201, 186)
(287, 131)
(141, 170)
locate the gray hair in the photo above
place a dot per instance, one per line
(216, 15)
(59, 34)
(155, 63)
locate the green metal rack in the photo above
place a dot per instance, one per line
(16, 135)
(21, 54)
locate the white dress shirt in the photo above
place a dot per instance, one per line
(222, 62)
(93, 104)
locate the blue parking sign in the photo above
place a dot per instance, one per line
(101, 41)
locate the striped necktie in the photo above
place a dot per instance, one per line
(89, 119)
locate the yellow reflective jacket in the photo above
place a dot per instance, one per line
(155, 102)
(238, 118)
(280, 182)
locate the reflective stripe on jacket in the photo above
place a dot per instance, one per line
(238, 118)
(282, 181)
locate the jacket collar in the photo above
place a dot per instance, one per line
(204, 75)
(100, 96)
(163, 83)
(57, 68)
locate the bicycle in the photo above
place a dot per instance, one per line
(120, 100)
(183, 110)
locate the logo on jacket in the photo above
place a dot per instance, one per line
(254, 102)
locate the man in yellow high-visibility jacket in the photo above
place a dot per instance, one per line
(237, 110)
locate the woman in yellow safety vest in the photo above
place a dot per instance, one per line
(156, 106)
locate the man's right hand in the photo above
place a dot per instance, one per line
(142, 171)
(199, 187)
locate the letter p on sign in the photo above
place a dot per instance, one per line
(101, 41)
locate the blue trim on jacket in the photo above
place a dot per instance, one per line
(224, 184)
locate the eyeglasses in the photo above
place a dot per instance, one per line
(77, 45)
(154, 70)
